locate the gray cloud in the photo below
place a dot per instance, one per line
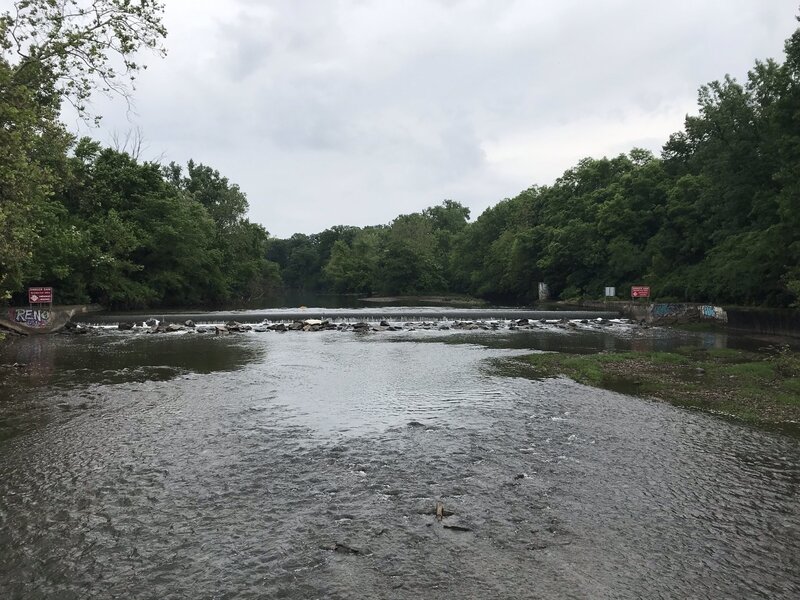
(358, 110)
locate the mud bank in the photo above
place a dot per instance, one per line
(756, 387)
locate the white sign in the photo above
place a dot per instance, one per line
(611, 291)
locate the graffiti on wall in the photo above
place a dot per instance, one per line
(714, 312)
(667, 310)
(687, 312)
(30, 317)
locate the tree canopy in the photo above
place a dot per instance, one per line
(714, 218)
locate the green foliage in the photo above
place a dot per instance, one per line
(50, 51)
(70, 48)
(715, 219)
(29, 132)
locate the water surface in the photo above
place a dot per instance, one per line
(308, 465)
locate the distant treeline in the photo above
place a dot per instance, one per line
(716, 218)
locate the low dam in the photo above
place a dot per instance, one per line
(399, 313)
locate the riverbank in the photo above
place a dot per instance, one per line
(449, 300)
(752, 386)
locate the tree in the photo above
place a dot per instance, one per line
(71, 48)
(33, 147)
(52, 50)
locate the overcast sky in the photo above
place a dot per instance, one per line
(356, 111)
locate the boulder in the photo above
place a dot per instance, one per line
(296, 326)
(189, 323)
(125, 326)
(384, 323)
(151, 322)
(278, 327)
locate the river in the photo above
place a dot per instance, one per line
(310, 465)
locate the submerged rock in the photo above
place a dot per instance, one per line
(345, 549)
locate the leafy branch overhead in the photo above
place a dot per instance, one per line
(71, 48)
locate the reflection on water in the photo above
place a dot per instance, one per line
(191, 465)
(69, 361)
(51, 369)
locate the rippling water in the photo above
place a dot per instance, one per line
(310, 465)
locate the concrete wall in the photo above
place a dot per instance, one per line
(782, 322)
(33, 321)
(661, 313)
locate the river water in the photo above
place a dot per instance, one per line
(309, 465)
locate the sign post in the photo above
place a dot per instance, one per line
(640, 291)
(40, 295)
